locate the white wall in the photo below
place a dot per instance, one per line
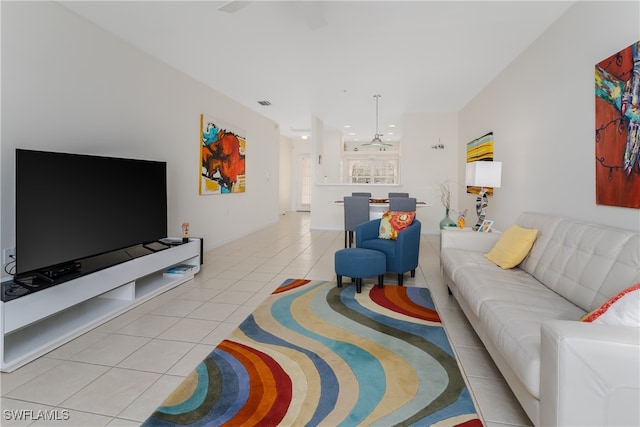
(331, 155)
(541, 110)
(422, 168)
(286, 174)
(69, 86)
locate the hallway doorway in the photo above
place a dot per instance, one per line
(303, 193)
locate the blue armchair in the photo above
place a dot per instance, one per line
(402, 254)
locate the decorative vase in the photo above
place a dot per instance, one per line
(447, 222)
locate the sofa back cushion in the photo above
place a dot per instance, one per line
(584, 262)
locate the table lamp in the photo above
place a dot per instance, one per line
(483, 174)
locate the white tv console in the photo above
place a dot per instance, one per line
(36, 323)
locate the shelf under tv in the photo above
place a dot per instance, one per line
(38, 322)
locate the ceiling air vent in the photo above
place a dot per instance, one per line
(264, 103)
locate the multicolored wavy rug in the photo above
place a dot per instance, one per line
(314, 354)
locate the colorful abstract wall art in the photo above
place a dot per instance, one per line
(480, 149)
(222, 158)
(618, 129)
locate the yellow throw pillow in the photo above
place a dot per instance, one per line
(392, 223)
(512, 247)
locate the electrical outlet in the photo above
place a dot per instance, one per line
(7, 255)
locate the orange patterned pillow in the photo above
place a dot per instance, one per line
(392, 223)
(622, 309)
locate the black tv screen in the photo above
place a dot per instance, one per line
(74, 206)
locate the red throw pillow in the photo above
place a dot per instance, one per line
(393, 223)
(622, 309)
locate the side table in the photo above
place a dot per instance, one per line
(473, 239)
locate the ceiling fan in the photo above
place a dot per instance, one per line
(376, 141)
(310, 11)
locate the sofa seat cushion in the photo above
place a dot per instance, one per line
(479, 280)
(511, 306)
(513, 323)
(455, 261)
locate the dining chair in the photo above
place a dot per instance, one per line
(398, 195)
(361, 194)
(356, 211)
(402, 204)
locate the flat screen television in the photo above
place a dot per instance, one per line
(74, 206)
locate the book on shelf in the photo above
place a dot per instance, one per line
(178, 270)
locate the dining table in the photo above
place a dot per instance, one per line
(378, 205)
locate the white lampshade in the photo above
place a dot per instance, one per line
(484, 174)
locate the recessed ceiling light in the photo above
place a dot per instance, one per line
(305, 137)
(392, 126)
(347, 126)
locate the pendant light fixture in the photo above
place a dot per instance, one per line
(376, 141)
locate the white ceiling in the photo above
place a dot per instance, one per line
(329, 58)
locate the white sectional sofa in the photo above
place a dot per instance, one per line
(562, 371)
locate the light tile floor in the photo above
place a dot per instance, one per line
(118, 373)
